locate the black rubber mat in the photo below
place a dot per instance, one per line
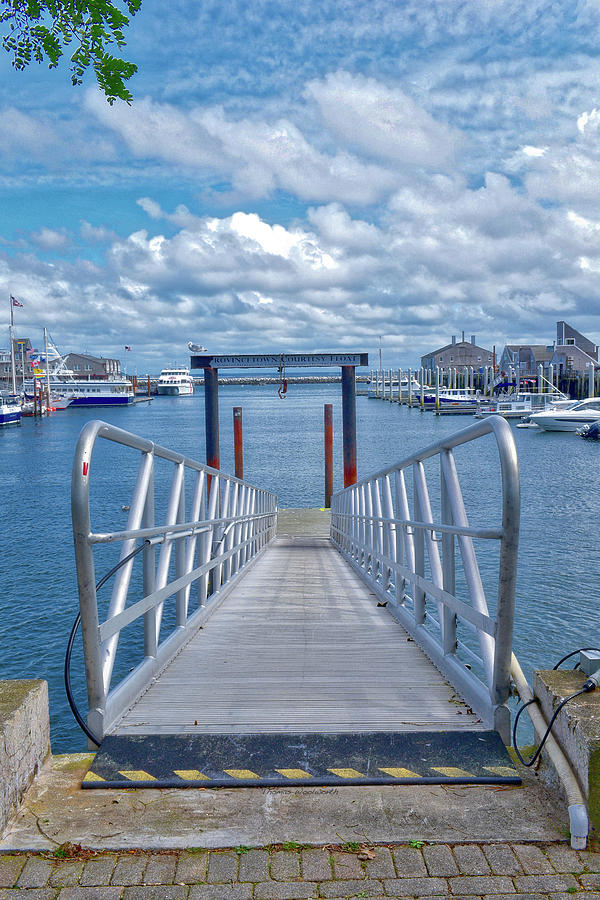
(260, 760)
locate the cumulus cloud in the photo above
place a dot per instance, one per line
(332, 174)
(50, 239)
(261, 156)
(383, 122)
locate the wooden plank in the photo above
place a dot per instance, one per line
(299, 646)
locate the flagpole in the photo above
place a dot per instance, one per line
(47, 371)
(12, 347)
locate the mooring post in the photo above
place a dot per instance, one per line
(349, 423)
(238, 442)
(328, 437)
(211, 416)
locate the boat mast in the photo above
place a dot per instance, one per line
(12, 347)
(47, 367)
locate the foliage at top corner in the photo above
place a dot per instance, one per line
(39, 30)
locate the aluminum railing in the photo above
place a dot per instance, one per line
(226, 525)
(408, 558)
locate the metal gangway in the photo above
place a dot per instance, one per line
(216, 623)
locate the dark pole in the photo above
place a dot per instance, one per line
(211, 416)
(238, 442)
(349, 423)
(328, 426)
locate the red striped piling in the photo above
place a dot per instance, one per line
(328, 437)
(238, 442)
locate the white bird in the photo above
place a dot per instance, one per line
(196, 348)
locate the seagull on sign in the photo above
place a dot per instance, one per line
(197, 348)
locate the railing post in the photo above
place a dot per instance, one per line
(149, 572)
(419, 546)
(448, 568)
(180, 557)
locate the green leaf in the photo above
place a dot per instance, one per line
(41, 29)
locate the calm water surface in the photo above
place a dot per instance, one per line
(559, 559)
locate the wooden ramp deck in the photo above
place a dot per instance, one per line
(300, 645)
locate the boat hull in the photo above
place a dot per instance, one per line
(99, 401)
(9, 415)
(556, 423)
(175, 390)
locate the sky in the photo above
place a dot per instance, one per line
(303, 176)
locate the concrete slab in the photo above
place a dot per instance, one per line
(55, 810)
(294, 522)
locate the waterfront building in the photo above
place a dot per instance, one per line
(457, 354)
(85, 366)
(525, 358)
(573, 353)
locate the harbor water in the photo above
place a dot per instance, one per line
(559, 557)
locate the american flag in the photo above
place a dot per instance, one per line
(15, 302)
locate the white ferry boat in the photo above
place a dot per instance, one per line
(175, 381)
(67, 392)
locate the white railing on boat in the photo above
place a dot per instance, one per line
(408, 558)
(215, 524)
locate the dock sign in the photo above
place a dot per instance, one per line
(274, 360)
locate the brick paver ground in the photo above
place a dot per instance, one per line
(535, 871)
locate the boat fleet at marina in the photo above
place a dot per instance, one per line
(52, 386)
(549, 410)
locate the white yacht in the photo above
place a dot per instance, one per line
(516, 406)
(175, 381)
(569, 419)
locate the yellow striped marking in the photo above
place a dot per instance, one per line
(504, 771)
(452, 772)
(346, 773)
(91, 776)
(191, 775)
(241, 773)
(294, 773)
(136, 775)
(399, 773)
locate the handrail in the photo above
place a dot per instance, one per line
(399, 555)
(212, 537)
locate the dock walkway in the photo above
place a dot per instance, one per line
(300, 645)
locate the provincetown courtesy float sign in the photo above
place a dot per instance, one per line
(275, 360)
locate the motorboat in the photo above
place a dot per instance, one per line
(175, 381)
(516, 406)
(452, 397)
(590, 432)
(571, 418)
(10, 409)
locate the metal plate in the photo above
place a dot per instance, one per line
(270, 760)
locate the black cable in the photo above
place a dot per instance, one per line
(67, 669)
(531, 761)
(590, 685)
(569, 655)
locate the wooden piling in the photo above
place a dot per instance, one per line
(238, 442)
(328, 441)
